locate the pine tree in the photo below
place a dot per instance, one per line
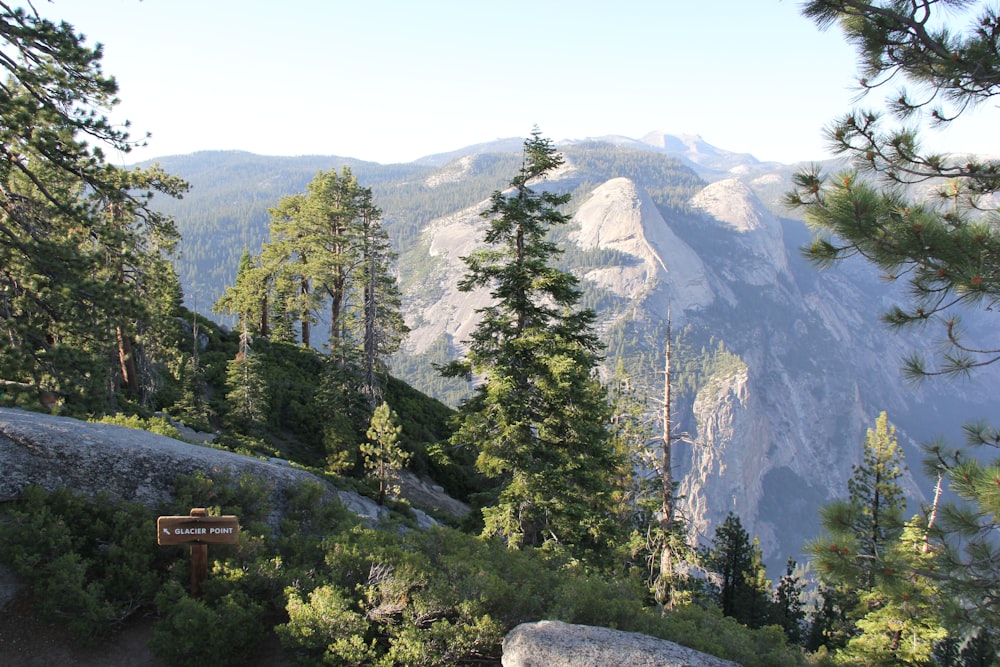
(328, 249)
(249, 298)
(945, 246)
(383, 456)
(248, 400)
(81, 251)
(873, 560)
(876, 497)
(942, 246)
(539, 417)
(789, 606)
(740, 589)
(381, 325)
(286, 257)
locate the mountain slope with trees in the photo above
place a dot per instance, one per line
(680, 271)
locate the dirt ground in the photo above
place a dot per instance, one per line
(26, 641)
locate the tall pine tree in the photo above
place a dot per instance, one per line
(84, 283)
(539, 417)
(870, 562)
(740, 587)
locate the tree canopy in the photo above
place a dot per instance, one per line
(945, 246)
(84, 278)
(929, 219)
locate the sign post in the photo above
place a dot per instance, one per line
(198, 530)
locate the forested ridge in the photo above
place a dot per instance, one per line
(567, 462)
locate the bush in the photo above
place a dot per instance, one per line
(223, 630)
(158, 425)
(91, 563)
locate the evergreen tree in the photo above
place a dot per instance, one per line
(381, 321)
(249, 297)
(876, 498)
(328, 249)
(539, 417)
(831, 624)
(899, 620)
(945, 246)
(740, 586)
(81, 252)
(789, 607)
(383, 456)
(286, 257)
(248, 401)
(874, 563)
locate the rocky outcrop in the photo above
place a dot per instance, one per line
(558, 644)
(620, 216)
(138, 466)
(777, 440)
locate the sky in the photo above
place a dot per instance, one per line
(395, 80)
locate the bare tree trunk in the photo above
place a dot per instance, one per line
(664, 584)
(126, 360)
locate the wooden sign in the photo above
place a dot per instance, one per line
(197, 530)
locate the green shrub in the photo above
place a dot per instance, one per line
(223, 630)
(91, 563)
(326, 628)
(159, 425)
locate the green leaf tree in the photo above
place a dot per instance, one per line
(383, 455)
(539, 417)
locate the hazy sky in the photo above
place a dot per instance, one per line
(394, 80)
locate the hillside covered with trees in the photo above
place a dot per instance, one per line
(571, 490)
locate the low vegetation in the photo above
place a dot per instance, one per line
(333, 590)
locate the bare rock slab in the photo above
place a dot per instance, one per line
(59, 452)
(558, 644)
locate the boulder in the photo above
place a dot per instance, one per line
(138, 466)
(558, 644)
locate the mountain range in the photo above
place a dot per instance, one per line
(779, 368)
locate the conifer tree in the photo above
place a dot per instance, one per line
(249, 298)
(248, 396)
(873, 560)
(81, 252)
(941, 58)
(741, 589)
(380, 321)
(329, 250)
(789, 606)
(539, 417)
(383, 455)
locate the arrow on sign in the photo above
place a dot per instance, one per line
(166, 531)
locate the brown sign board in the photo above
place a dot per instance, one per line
(197, 530)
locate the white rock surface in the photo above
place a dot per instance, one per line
(620, 216)
(558, 644)
(138, 466)
(733, 204)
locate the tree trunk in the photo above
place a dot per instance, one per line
(126, 360)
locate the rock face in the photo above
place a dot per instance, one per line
(138, 466)
(662, 269)
(774, 437)
(557, 644)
